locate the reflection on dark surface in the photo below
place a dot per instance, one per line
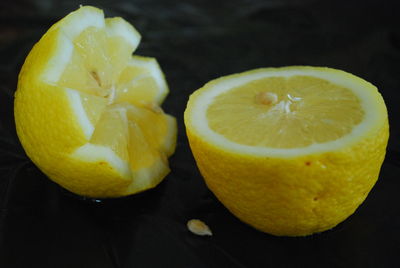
(41, 225)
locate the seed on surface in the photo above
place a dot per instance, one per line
(266, 98)
(198, 227)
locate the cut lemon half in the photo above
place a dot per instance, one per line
(88, 113)
(291, 151)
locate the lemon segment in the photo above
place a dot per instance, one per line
(142, 80)
(290, 151)
(84, 82)
(146, 178)
(141, 153)
(96, 62)
(118, 27)
(112, 131)
(93, 107)
(87, 109)
(154, 133)
(61, 35)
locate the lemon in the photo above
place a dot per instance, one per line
(291, 151)
(87, 111)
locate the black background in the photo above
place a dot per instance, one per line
(41, 225)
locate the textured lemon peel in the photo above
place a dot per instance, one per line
(291, 195)
(77, 155)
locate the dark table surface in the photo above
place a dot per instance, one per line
(41, 225)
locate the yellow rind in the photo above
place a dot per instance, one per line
(288, 186)
(296, 195)
(51, 152)
(39, 104)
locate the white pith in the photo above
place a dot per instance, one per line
(80, 114)
(119, 27)
(97, 153)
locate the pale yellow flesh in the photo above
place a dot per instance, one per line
(111, 86)
(285, 112)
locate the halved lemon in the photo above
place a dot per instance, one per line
(291, 151)
(87, 111)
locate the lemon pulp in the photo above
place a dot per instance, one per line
(112, 87)
(285, 112)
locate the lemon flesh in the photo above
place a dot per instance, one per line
(279, 112)
(291, 151)
(87, 111)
